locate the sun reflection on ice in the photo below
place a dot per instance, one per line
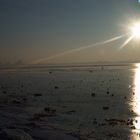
(136, 104)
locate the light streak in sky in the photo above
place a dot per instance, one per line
(80, 48)
(132, 36)
(126, 42)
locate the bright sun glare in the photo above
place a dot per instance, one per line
(135, 34)
(136, 30)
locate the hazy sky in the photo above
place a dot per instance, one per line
(32, 30)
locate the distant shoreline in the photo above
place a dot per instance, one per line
(64, 67)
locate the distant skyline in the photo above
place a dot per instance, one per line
(32, 30)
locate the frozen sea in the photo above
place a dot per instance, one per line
(85, 101)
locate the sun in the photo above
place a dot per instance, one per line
(135, 29)
(134, 33)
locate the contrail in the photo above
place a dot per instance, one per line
(126, 42)
(79, 49)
